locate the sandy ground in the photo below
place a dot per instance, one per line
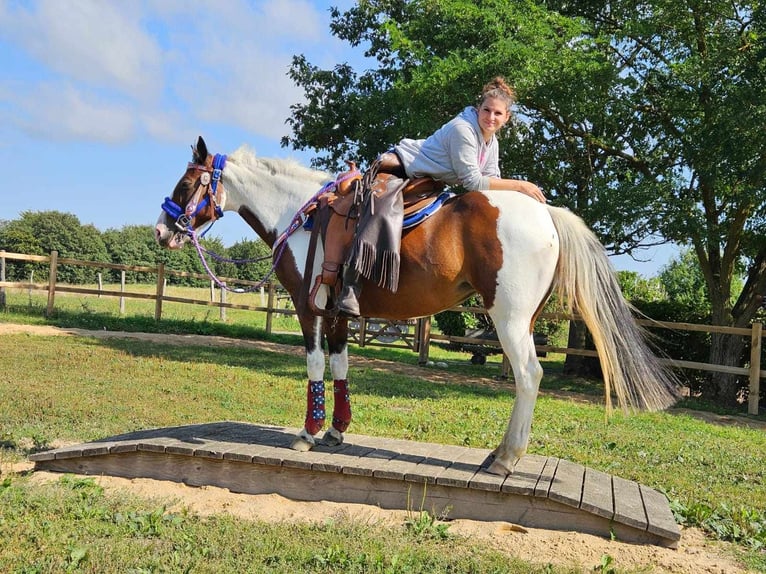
(695, 554)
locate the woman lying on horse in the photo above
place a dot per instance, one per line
(463, 152)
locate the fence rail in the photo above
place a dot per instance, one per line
(366, 331)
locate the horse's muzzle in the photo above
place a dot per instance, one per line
(169, 238)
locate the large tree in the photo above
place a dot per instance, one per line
(697, 86)
(644, 117)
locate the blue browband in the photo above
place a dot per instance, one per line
(177, 213)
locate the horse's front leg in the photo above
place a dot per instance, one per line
(315, 391)
(336, 332)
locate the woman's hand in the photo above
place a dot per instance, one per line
(532, 191)
(519, 185)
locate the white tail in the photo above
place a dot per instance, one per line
(587, 283)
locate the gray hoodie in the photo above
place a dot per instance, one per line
(455, 154)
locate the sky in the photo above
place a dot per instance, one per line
(100, 100)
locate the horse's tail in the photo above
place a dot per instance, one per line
(588, 285)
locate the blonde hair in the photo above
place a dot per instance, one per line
(497, 88)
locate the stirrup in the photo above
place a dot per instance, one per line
(319, 311)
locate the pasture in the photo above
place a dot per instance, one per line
(73, 389)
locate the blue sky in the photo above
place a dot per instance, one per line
(100, 100)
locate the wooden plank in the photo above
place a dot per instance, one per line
(567, 483)
(463, 469)
(428, 469)
(398, 467)
(597, 495)
(628, 505)
(660, 517)
(525, 475)
(546, 477)
(350, 460)
(483, 480)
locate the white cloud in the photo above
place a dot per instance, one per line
(59, 112)
(100, 43)
(109, 70)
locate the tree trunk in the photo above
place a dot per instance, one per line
(725, 389)
(578, 365)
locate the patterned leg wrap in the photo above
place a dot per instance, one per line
(315, 407)
(341, 414)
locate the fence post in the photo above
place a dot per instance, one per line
(269, 307)
(52, 273)
(160, 291)
(122, 290)
(100, 284)
(362, 331)
(424, 336)
(223, 301)
(755, 369)
(505, 368)
(2, 278)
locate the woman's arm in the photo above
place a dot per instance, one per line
(519, 185)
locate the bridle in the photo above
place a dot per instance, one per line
(206, 195)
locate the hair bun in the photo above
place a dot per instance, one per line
(498, 88)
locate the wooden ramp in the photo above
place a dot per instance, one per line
(543, 492)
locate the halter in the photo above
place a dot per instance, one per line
(207, 190)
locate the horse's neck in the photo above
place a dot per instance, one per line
(272, 190)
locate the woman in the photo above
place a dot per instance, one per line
(462, 152)
(465, 151)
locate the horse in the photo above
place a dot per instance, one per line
(510, 249)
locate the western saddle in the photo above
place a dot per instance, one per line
(336, 212)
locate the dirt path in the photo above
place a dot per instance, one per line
(695, 553)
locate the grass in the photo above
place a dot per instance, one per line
(79, 389)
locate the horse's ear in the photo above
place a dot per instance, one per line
(200, 151)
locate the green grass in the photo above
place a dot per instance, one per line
(78, 389)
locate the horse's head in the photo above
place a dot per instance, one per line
(196, 199)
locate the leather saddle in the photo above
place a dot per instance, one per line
(334, 216)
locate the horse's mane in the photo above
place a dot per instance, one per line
(245, 157)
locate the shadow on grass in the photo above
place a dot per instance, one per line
(371, 381)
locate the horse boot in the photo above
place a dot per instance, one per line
(348, 302)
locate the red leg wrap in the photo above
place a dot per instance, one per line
(315, 414)
(341, 414)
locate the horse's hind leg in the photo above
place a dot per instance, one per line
(519, 346)
(337, 342)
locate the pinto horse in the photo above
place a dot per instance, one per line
(508, 248)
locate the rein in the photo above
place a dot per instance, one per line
(209, 179)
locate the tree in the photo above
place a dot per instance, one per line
(255, 258)
(41, 232)
(698, 89)
(652, 132)
(133, 245)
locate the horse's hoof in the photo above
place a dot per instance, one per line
(301, 445)
(333, 437)
(499, 468)
(304, 442)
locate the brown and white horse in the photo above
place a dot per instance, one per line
(507, 247)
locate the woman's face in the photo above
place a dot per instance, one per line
(493, 115)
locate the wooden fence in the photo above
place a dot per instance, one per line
(365, 331)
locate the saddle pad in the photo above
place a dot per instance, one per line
(423, 214)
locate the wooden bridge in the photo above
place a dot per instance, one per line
(542, 492)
